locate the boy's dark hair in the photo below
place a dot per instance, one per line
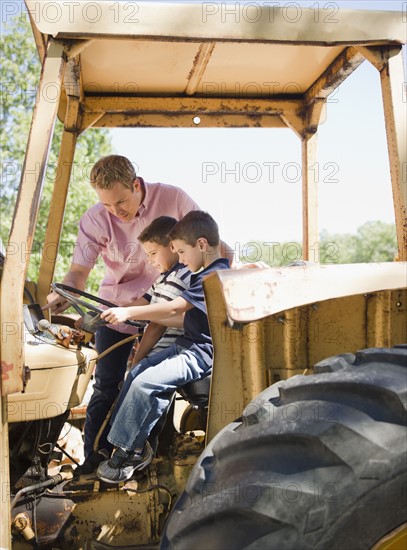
(194, 225)
(157, 231)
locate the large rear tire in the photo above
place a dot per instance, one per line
(315, 462)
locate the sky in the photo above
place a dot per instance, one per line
(229, 171)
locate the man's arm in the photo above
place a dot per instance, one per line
(76, 277)
(152, 312)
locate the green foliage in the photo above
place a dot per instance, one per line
(375, 241)
(20, 75)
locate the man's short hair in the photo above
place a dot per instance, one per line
(112, 169)
(157, 231)
(194, 225)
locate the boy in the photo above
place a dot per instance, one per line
(174, 279)
(148, 391)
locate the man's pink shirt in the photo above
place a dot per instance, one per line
(128, 274)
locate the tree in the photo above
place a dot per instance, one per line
(375, 241)
(20, 76)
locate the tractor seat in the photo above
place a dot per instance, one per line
(197, 392)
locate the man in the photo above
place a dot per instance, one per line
(110, 229)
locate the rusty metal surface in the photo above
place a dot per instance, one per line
(89, 514)
(271, 343)
(346, 62)
(251, 294)
(128, 111)
(395, 113)
(310, 233)
(200, 63)
(56, 214)
(22, 231)
(322, 48)
(79, 515)
(5, 520)
(208, 20)
(49, 517)
(396, 540)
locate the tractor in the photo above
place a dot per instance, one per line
(298, 438)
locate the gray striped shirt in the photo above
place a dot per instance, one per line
(168, 286)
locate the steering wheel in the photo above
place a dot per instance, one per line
(68, 292)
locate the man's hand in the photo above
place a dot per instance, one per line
(76, 278)
(115, 315)
(56, 303)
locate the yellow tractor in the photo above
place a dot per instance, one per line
(300, 440)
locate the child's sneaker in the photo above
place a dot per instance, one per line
(91, 464)
(123, 464)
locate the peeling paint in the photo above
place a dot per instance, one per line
(5, 367)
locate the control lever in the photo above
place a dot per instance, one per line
(62, 333)
(91, 321)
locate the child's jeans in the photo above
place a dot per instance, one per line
(148, 391)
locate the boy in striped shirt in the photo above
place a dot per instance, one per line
(174, 279)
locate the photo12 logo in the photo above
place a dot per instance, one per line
(268, 12)
(267, 171)
(72, 12)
